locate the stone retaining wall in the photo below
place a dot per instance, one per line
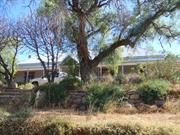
(14, 96)
(76, 100)
(133, 97)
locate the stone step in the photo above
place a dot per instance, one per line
(23, 91)
(15, 89)
(14, 93)
(10, 96)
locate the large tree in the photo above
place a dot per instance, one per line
(125, 21)
(88, 21)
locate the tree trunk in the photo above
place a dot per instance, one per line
(11, 83)
(85, 71)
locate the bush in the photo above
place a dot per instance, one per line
(98, 95)
(26, 86)
(22, 113)
(3, 112)
(58, 127)
(57, 93)
(129, 78)
(153, 90)
(1, 83)
(168, 69)
(70, 83)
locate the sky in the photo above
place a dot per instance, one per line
(19, 9)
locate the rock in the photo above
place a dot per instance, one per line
(127, 105)
(82, 108)
(127, 109)
(147, 108)
(159, 103)
(131, 92)
(40, 99)
(153, 107)
(134, 97)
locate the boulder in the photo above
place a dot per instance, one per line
(159, 103)
(134, 97)
(40, 99)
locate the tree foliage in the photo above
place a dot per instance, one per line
(115, 22)
(87, 22)
(168, 69)
(113, 61)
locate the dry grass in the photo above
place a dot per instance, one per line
(175, 90)
(82, 119)
(171, 121)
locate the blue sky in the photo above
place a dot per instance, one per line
(19, 9)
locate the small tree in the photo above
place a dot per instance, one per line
(9, 49)
(43, 36)
(113, 61)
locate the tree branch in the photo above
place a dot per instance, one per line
(134, 34)
(107, 51)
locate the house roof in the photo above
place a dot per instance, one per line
(33, 63)
(130, 56)
(34, 59)
(138, 52)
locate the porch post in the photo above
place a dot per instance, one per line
(59, 68)
(27, 76)
(43, 72)
(122, 69)
(100, 71)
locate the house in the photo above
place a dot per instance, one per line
(31, 68)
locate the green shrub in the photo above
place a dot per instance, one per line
(3, 112)
(57, 93)
(70, 83)
(32, 98)
(98, 95)
(168, 69)
(153, 90)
